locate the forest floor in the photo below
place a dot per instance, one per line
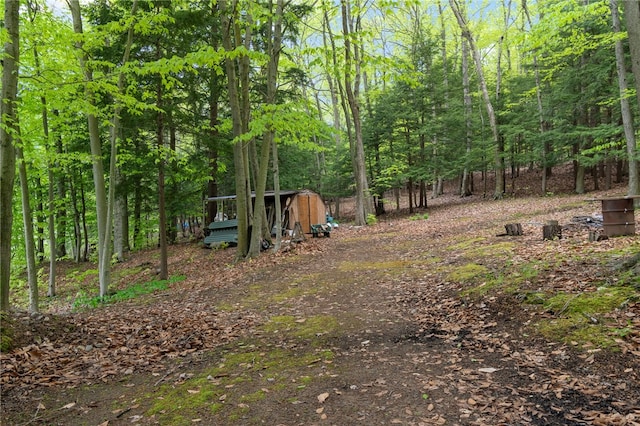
(415, 320)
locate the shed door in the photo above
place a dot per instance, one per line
(304, 207)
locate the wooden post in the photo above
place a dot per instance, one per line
(298, 234)
(551, 230)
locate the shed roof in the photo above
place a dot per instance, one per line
(267, 194)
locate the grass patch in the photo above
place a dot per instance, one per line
(423, 216)
(84, 301)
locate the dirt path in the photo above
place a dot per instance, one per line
(377, 326)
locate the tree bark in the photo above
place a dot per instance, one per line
(162, 210)
(465, 189)
(104, 255)
(632, 18)
(627, 117)
(364, 202)
(117, 200)
(8, 112)
(239, 156)
(498, 161)
(274, 46)
(27, 221)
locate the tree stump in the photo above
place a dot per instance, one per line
(513, 229)
(551, 230)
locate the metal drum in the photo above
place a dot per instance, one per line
(618, 218)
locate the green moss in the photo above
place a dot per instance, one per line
(605, 299)
(467, 244)
(504, 249)
(581, 316)
(243, 374)
(360, 266)
(6, 332)
(226, 307)
(578, 330)
(468, 273)
(253, 397)
(303, 328)
(295, 290)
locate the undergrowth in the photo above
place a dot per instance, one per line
(84, 301)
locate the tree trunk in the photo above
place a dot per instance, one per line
(364, 202)
(119, 201)
(8, 112)
(120, 233)
(541, 119)
(239, 155)
(632, 17)
(274, 41)
(465, 189)
(498, 160)
(27, 221)
(104, 256)
(627, 117)
(162, 208)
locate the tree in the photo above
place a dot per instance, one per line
(493, 122)
(632, 18)
(231, 33)
(351, 25)
(102, 204)
(27, 217)
(8, 132)
(627, 117)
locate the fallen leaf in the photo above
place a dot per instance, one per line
(69, 405)
(487, 370)
(320, 410)
(323, 397)
(41, 406)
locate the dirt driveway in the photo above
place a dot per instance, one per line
(411, 321)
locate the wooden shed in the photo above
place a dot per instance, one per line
(303, 206)
(306, 207)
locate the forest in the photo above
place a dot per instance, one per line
(119, 117)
